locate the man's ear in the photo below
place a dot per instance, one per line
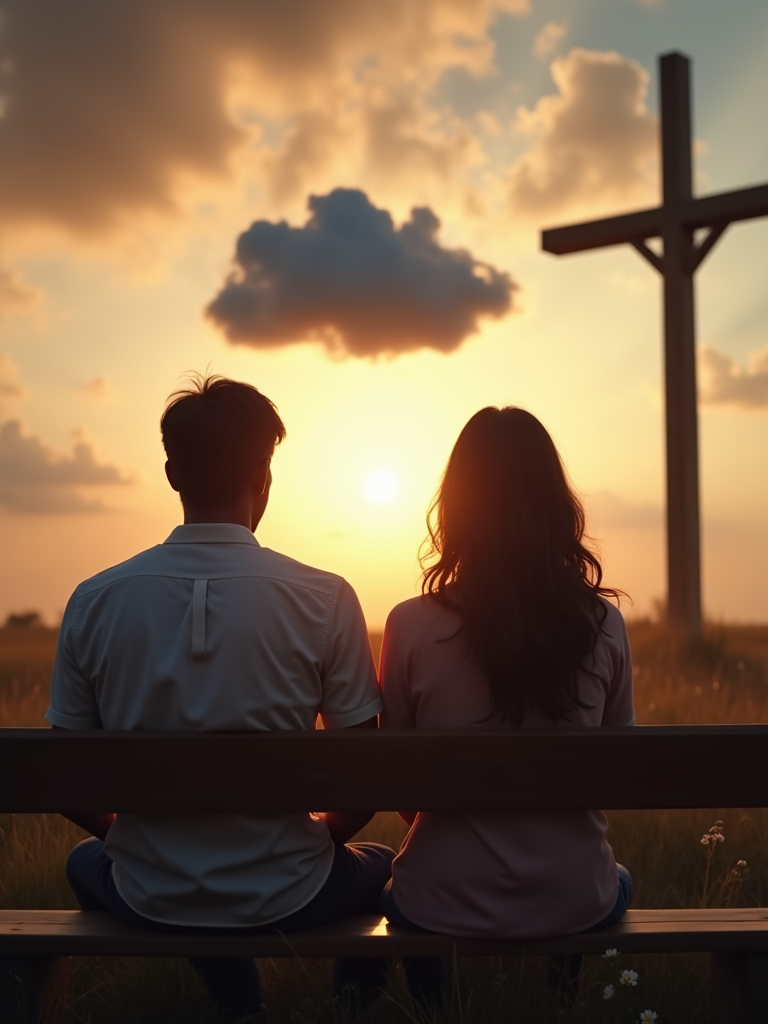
(261, 477)
(170, 476)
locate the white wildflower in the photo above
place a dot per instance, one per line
(705, 840)
(610, 954)
(628, 978)
(608, 992)
(741, 864)
(648, 1017)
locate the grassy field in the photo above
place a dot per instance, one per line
(725, 679)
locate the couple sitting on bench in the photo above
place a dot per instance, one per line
(209, 631)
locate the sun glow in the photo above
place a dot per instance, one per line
(380, 486)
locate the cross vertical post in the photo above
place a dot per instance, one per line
(683, 529)
(675, 223)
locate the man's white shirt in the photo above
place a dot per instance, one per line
(210, 632)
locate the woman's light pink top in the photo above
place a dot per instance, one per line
(523, 874)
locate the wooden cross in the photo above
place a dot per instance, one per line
(675, 223)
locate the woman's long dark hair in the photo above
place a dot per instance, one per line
(507, 554)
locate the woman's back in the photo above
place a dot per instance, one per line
(516, 874)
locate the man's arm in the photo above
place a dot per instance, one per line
(73, 706)
(344, 824)
(97, 824)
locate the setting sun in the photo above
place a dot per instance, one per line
(381, 486)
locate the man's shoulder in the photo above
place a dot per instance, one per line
(289, 570)
(227, 561)
(136, 565)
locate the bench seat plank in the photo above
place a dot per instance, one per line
(75, 933)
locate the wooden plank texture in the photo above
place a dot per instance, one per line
(49, 933)
(646, 767)
(596, 234)
(746, 204)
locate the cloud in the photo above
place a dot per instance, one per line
(97, 389)
(547, 39)
(34, 478)
(488, 123)
(16, 294)
(352, 280)
(405, 139)
(107, 110)
(723, 382)
(315, 138)
(384, 133)
(595, 141)
(609, 511)
(9, 378)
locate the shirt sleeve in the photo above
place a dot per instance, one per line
(619, 705)
(73, 701)
(398, 712)
(350, 690)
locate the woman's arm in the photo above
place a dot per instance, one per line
(619, 704)
(398, 710)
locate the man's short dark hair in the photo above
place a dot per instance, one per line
(215, 433)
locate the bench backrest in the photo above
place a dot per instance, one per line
(647, 767)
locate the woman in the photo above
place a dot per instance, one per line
(512, 629)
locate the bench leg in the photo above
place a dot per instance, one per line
(740, 987)
(33, 990)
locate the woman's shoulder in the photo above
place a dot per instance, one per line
(418, 614)
(613, 628)
(612, 618)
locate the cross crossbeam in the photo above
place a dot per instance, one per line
(675, 222)
(724, 207)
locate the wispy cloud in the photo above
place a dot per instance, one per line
(97, 389)
(722, 381)
(610, 511)
(9, 378)
(36, 478)
(545, 43)
(16, 294)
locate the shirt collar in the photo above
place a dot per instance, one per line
(211, 533)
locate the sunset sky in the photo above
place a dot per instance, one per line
(341, 203)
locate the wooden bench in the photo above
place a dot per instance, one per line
(647, 767)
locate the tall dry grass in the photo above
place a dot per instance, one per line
(722, 679)
(26, 660)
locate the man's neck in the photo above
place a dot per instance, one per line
(239, 514)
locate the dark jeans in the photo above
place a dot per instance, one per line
(425, 974)
(358, 874)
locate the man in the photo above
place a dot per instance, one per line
(210, 631)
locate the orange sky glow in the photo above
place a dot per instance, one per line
(341, 204)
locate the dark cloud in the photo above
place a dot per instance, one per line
(106, 107)
(352, 280)
(34, 478)
(723, 382)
